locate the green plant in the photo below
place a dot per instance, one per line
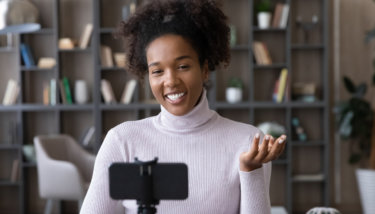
(263, 6)
(355, 120)
(235, 82)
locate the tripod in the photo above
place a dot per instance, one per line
(146, 204)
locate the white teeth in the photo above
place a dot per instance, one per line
(174, 96)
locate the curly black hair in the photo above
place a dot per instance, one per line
(200, 22)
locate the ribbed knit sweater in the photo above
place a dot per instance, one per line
(209, 144)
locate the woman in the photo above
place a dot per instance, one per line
(177, 43)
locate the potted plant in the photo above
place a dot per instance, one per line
(263, 11)
(356, 123)
(233, 93)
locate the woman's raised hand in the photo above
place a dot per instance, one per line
(269, 150)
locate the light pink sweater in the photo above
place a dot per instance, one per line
(209, 144)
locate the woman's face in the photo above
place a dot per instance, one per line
(175, 75)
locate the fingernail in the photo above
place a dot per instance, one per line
(257, 135)
(281, 141)
(267, 137)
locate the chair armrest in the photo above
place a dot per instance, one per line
(60, 179)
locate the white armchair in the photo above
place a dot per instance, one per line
(64, 169)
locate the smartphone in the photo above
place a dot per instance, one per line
(169, 181)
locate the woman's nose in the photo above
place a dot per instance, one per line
(171, 78)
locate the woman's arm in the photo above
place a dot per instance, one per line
(97, 200)
(255, 196)
(255, 173)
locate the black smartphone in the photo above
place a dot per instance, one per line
(169, 181)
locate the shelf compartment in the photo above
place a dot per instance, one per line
(8, 165)
(9, 129)
(112, 118)
(41, 45)
(306, 195)
(278, 185)
(75, 123)
(33, 85)
(310, 120)
(37, 123)
(9, 192)
(278, 116)
(240, 115)
(238, 68)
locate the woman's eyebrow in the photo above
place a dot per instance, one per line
(183, 57)
(177, 59)
(154, 64)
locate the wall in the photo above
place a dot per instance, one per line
(356, 18)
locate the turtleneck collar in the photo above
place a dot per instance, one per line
(198, 116)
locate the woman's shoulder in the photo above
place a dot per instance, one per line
(132, 126)
(236, 126)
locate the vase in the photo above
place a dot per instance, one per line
(233, 95)
(264, 20)
(366, 187)
(81, 94)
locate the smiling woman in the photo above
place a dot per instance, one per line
(175, 75)
(177, 43)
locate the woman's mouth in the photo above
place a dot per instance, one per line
(174, 98)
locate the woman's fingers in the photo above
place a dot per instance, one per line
(263, 149)
(277, 149)
(254, 147)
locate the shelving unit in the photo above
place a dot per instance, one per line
(67, 18)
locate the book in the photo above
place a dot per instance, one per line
(52, 94)
(257, 49)
(128, 91)
(261, 53)
(62, 92)
(120, 59)
(87, 136)
(11, 92)
(107, 92)
(46, 62)
(277, 15)
(26, 55)
(86, 35)
(106, 56)
(15, 170)
(68, 93)
(265, 54)
(282, 84)
(46, 94)
(284, 16)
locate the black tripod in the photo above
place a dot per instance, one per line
(146, 204)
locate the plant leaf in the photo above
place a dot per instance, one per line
(361, 90)
(370, 35)
(349, 85)
(345, 129)
(354, 158)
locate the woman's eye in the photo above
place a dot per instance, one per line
(156, 72)
(183, 67)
